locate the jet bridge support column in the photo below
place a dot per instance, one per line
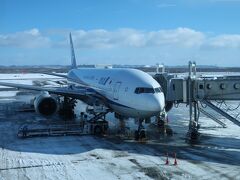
(193, 105)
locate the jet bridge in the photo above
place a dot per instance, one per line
(195, 90)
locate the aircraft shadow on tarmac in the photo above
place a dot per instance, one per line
(223, 150)
(67, 145)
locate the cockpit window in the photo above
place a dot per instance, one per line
(148, 90)
(140, 90)
(158, 90)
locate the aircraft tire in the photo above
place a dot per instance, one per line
(142, 134)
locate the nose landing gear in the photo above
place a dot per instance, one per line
(163, 126)
(140, 134)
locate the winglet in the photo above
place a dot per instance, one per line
(73, 59)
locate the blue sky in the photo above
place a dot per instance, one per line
(120, 32)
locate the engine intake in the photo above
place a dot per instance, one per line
(45, 104)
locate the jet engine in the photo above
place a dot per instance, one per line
(45, 104)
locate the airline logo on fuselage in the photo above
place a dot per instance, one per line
(103, 80)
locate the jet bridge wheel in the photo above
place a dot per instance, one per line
(169, 130)
(193, 134)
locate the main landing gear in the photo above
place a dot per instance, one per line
(67, 106)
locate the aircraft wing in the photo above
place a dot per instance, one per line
(79, 82)
(68, 78)
(58, 75)
(73, 92)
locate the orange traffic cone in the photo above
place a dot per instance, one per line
(175, 159)
(167, 161)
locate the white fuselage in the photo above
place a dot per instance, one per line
(129, 92)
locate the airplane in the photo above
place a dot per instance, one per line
(129, 93)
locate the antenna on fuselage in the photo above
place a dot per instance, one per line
(73, 59)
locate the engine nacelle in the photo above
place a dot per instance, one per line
(45, 104)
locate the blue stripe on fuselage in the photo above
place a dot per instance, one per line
(117, 104)
(110, 101)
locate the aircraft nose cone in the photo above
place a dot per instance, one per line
(158, 103)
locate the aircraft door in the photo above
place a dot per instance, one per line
(116, 90)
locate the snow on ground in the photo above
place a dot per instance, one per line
(89, 157)
(215, 156)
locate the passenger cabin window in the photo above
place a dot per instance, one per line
(140, 90)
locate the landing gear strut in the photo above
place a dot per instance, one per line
(162, 123)
(193, 133)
